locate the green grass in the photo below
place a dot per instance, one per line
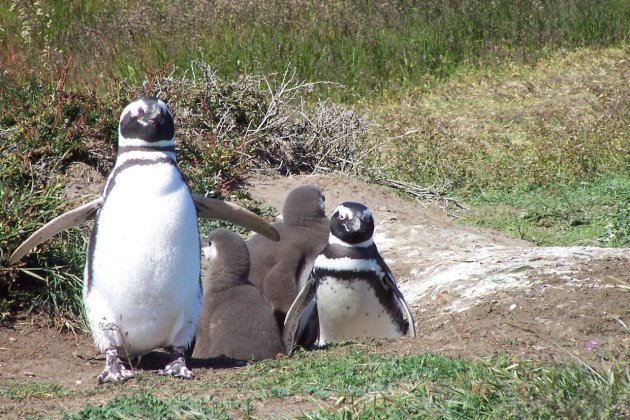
(392, 45)
(360, 382)
(371, 384)
(145, 404)
(19, 391)
(50, 281)
(586, 213)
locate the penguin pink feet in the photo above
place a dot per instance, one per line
(115, 370)
(177, 368)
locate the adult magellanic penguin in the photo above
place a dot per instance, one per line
(355, 291)
(280, 269)
(142, 275)
(236, 320)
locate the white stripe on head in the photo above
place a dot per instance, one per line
(333, 240)
(139, 104)
(344, 212)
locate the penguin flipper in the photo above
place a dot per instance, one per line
(292, 320)
(390, 283)
(67, 220)
(410, 320)
(211, 208)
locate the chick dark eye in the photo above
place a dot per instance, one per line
(323, 197)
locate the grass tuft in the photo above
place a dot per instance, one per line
(145, 404)
(363, 383)
(20, 390)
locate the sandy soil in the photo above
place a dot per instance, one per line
(472, 292)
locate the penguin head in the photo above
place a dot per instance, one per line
(352, 223)
(147, 119)
(228, 259)
(303, 203)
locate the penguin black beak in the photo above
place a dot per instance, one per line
(352, 225)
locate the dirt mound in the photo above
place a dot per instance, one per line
(476, 291)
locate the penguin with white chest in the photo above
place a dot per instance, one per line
(142, 289)
(142, 286)
(354, 290)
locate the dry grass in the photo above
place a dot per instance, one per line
(564, 119)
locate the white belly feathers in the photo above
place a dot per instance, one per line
(350, 308)
(144, 280)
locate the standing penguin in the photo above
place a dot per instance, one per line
(236, 320)
(355, 291)
(281, 269)
(142, 275)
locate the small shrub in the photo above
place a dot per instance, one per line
(223, 127)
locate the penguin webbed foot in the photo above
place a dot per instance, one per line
(115, 370)
(177, 367)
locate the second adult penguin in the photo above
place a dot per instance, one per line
(236, 320)
(355, 291)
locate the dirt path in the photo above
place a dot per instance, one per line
(472, 291)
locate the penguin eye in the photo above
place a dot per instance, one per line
(323, 197)
(342, 217)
